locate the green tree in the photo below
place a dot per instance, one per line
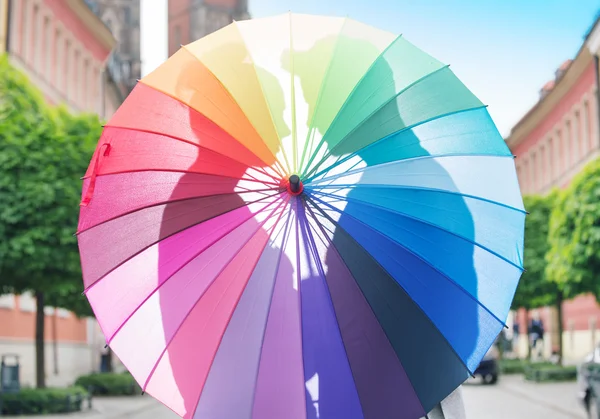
(535, 289)
(43, 153)
(574, 256)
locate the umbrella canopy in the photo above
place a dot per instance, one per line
(301, 217)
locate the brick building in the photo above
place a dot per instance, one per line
(3, 25)
(63, 47)
(190, 20)
(553, 142)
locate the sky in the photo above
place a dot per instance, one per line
(503, 50)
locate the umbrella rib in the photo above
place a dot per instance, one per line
(308, 143)
(394, 282)
(293, 93)
(109, 340)
(284, 243)
(396, 162)
(404, 215)
(120, 172)
(348, 99)
(163, 238)
(258, 168)
(443, 275)
(403, 90)
(157, 204)
(308, 234)
(298, 203)
(318, 188)
(328, 242)
(269, 232)
(216, 107)
(343, 159)
(164, 351)
(262, 89)
(285, 164)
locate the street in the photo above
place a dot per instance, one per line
(511, 398)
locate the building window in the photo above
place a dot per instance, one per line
(525, 184)
(34, 50)
(27, 302)
(95, 92)
(58, 60)
(581, 136)
(86, 84)
(564, 150)
(67, 70)
(26, 42)
(7, 301)
(569, 146)
(48, 50)
(82, 81)
(577, 137)
(585, 129)
(534, 174)
(76, 77)
(62, 313)
(20, 14)
(542, 164)
(550, 160)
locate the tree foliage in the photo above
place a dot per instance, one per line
(43, 153)
(573, 260)
(26, 129)
(534, 289)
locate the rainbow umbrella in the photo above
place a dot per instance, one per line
(301, 217)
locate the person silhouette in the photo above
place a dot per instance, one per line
(407, 332)
(238, 215)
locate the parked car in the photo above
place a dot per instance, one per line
(588, 383)
(488, 368)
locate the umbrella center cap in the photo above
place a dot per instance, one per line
(295, 186)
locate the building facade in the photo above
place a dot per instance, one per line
(122, 18)
(552, 143)
(190, 20)
(3, 25)
(63, 48)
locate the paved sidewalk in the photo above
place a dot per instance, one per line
(512, 397)
(561, 396)
(108, 408)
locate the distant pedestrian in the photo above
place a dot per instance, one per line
(514, 343)
(536, 334)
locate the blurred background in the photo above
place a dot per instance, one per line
(71, 63)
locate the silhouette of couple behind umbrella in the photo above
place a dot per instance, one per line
(325, 394)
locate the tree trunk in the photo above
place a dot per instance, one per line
(526, 331)
(40, 360)
(55, 342)
(559, 312)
